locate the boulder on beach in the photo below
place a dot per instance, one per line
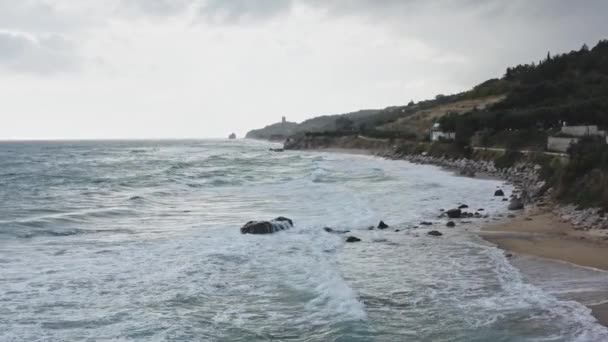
(267, 227)
(434, 233)
(352, 239)
(499, 192)
(516, 204)
(450, 224)
(454, 213)
(382, 225)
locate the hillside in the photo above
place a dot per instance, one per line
(275, 132)
(516, 112)
(324, 123)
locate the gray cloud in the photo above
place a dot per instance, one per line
(238, 11)
(157, 8)
(47, 54)
(491, 33)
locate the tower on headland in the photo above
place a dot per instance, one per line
(283, 120)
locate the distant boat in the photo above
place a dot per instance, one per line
(232, 136)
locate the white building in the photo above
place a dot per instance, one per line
(581, 131)
(570, 135)
(437, 134)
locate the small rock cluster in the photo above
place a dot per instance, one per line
(582, 219)
(526, 178)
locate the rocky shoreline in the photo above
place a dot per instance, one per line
(525, 177)
(530, 189)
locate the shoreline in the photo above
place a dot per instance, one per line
(535, 231)
(539, 233)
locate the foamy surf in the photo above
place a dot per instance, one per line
(154, 251)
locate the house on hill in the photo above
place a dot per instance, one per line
(570, 135)
(437, 134)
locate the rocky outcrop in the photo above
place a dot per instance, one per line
(454, 213)
(499, 192)
(382, 225)
(516, 204)
(351, 239)
(582, 219)
(434, 233)
(267, 227)
(450, 224)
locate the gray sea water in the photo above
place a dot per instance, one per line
(140, 241)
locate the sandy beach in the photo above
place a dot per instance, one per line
(539, 233)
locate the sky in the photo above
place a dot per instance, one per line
(89, 69)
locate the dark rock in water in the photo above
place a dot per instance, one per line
(425, 223)
(434, 233)
(352, 239)
(329, 230)
(463, 206)
(454, 213)
(499, 192)
(284, 219)
(511, 216)
(397, 230)
(505, 199)
(267, 227)
(516, 204)
(442, 210)
(276, 150)
(382, 225)
(370, 228)
(480, 209)
(509, 255)
(450, 224)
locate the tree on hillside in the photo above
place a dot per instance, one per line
(344, 124)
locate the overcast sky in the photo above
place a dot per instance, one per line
(205, 68)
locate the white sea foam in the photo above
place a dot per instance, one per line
(185, 272)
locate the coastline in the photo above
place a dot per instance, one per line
(535, 231)
(539, 233)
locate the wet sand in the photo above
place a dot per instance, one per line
(539, 233)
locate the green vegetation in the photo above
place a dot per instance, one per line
(571, 87)
(584, 179)
(514, 113)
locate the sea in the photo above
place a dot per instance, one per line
(140, 241)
